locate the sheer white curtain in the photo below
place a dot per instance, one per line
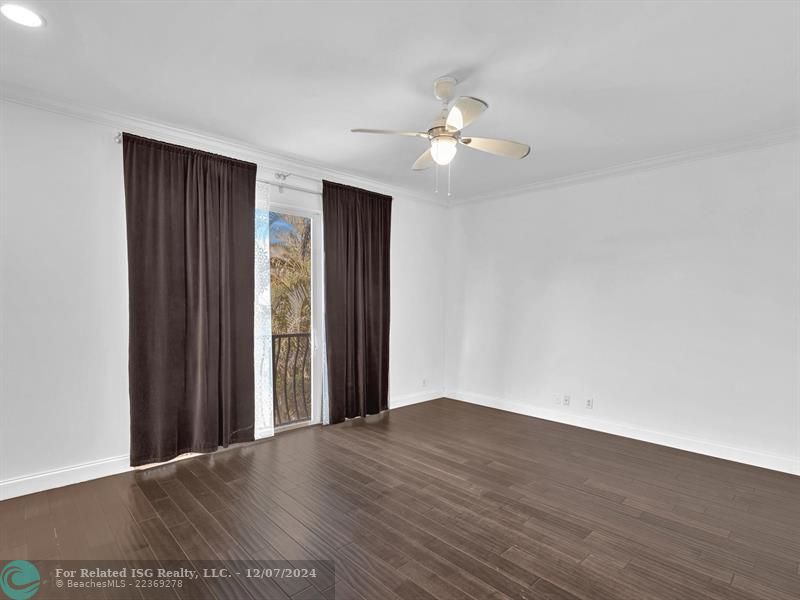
(264, 426)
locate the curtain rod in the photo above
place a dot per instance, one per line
(280, 185)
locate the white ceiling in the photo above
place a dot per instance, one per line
(590, 85)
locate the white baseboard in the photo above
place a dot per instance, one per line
(37, 482)
(408, 399)
(776, 462)
(28, 484)
(46, 480)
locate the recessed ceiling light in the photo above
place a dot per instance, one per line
(20, 14)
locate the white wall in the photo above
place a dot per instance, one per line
(419, 237)
(669, 297)
(64, 311)
(64, 297)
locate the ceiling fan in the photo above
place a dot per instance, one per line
(445, 135)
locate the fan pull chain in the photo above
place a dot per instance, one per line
(449, 193)
(436, 179)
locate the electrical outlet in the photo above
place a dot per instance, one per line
(589, 403)
(565, 402)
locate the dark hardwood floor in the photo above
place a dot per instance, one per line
(443, 500)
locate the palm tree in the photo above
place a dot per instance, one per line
(290, 284)
(290, 270)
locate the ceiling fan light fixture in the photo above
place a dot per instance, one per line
(445, 133)
(443, 149)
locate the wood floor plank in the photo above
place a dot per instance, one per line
(439, 500)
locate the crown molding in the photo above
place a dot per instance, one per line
(267, 160)
(276, 162)
(732, 146)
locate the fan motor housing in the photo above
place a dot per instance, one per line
(443, 131)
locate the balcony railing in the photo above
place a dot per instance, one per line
(291, 378)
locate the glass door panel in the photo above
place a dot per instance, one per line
(291, 302)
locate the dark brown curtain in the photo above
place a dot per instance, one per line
(191, 228)
(357, 227)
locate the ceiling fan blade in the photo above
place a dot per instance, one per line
(505, 148)
(464, 111)
(425, 161)
(392, 132)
